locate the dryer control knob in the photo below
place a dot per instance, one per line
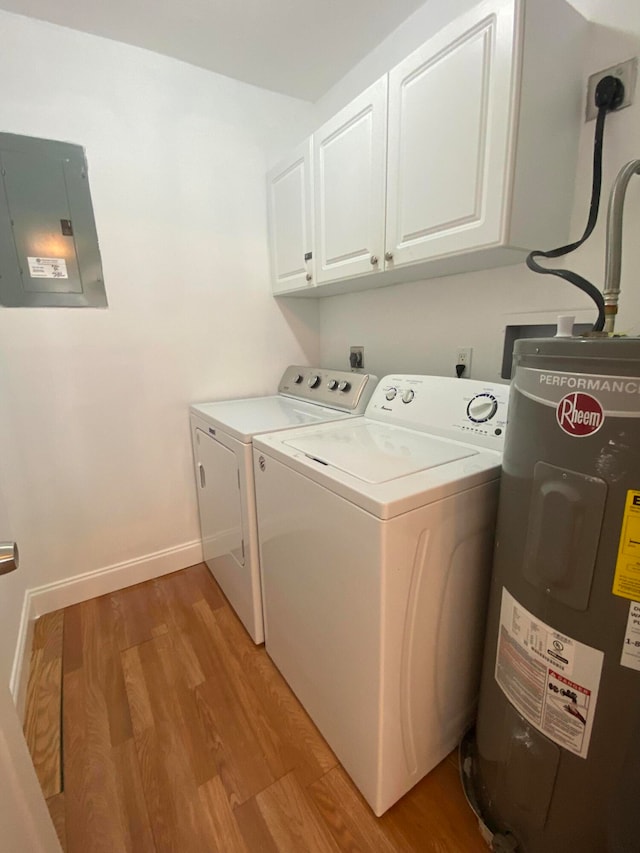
(391, 393)
(482, 408)
(332, 384)
(408, 395)
(313, 381)
(344, 386)
(297, 378)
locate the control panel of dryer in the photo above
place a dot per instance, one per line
(338, 389)
(463, 409)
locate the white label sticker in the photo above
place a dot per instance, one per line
(631, 646)
(47, 268)
(551, 679)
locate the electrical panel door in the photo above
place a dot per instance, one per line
(49, 254)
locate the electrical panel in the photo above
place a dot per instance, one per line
(49, 253)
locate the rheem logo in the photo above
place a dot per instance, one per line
(579, 414)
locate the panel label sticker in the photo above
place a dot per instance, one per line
(47, 268)
(626, 581)
(631, 644)
(551, 679)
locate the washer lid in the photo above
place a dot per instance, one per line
(375, 452)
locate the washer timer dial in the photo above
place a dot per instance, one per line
(482, 408)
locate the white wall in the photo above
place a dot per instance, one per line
(416, 327)
(95, 451)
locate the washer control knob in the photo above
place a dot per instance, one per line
(408, 395)
(482, 408)
(391, 393)
(332, 384)
(297, 378)
(344, 386)
(313, 381)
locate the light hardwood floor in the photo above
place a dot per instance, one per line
(179, 734)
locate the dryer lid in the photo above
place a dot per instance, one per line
(250, 416)
(375, 452)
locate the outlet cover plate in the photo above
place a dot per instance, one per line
(463, 356)
(356, 358)
(626, 71)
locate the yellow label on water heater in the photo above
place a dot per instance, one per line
(627, 578)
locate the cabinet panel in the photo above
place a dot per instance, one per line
(441, 187)
(349, 186)
(290, 221)
(450, 109)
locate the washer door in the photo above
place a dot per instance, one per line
(218, 479)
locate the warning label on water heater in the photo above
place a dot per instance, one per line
(551, 679)
(631, 644)
(626, 581)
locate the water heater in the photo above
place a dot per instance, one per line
(556, 760)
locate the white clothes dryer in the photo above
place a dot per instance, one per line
(221, 434)
(376, 538)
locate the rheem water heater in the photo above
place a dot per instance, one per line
(556, 764)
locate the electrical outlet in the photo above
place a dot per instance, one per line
(625, 71)
(356, 358)
(463, 356)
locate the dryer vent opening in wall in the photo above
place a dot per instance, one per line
(544, 330)
(49, 253)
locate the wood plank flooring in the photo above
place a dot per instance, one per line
(179, 734)
(42, 716)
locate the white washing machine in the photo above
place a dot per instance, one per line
(221, 434)
(376, 540)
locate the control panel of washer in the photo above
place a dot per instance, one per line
(338, 389)
(465, 409)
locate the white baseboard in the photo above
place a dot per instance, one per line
(70, 591)
(64, 593)
(20, 671)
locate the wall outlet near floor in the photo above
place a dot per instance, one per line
(356, 358)
(463, 357)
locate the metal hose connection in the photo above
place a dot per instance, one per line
(613, 263)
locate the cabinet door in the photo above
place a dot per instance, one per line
(451, 118)
(289, 189)
(349, 187)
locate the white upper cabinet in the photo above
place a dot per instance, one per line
(349, 187)
(450, 105)
(289, 190)
(461, 158)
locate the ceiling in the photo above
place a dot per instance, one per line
(297, 47)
